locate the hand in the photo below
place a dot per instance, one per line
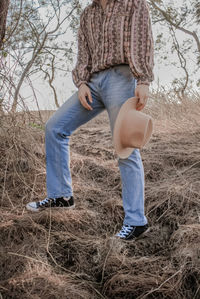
(84, 91)
(142, 93)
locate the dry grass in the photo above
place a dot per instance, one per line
(71, 254)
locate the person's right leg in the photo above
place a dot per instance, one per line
(58, 130)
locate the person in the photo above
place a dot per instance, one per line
(115, 61)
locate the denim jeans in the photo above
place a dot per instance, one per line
(110, 88)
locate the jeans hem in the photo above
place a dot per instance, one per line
(135, 224)
(60, 195)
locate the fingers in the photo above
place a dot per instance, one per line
(140, 107)
(84, 102)
(141, 93)
(83, 93)
(89, 96)
(141, 103)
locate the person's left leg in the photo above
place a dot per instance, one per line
(118, 87)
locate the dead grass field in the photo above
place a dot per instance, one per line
(70, 254)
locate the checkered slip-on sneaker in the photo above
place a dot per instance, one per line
(61, 202)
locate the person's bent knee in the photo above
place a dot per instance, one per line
(52, 130)
(49, 126)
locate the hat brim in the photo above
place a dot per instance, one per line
(124, 152)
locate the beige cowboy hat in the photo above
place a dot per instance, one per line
(132, 128)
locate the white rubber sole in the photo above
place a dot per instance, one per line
(29, 208)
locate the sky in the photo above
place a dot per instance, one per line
(65, 87)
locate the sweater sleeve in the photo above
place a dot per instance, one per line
(142, 43)
(81, 71)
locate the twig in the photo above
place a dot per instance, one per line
(156, 289)
(104, 265)
(180, 172)
(28, 257)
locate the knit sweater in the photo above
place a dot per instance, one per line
(119, 34)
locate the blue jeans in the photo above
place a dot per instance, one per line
(110, 88)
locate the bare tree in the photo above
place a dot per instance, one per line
(3, 15)
(35, 45)
(181, 17)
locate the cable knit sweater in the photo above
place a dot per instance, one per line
(119, 34)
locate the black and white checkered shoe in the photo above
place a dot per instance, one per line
(130, 232)
(61, 202)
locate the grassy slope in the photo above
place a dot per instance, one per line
(70, 254)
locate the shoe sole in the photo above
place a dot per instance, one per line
(142, 235)
(39, 210)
